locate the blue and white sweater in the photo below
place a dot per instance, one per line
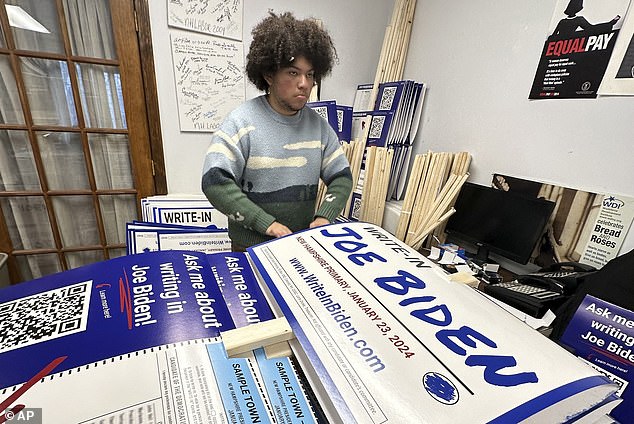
(262, 167)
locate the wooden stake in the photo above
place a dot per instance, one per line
(395, 46)
(419, 239)
(445, 198)
(367, 183)
(406, 38)
(410, 194)
(435, 209)
(432, 186)
(388, 155)
(427, 165)
(462, 161)
(355, 167)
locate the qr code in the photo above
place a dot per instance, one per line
(621, 383)
(356, 208)
(340, 120)
(322, 111)
(44, 316)
(387, 99)
(376, 128)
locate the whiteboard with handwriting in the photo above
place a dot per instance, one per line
(222, 18)
(209, 73)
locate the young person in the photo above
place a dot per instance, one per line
(263, 165)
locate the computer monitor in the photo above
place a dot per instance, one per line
(506, 223)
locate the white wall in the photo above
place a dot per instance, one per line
(479, 60)
(356, 26)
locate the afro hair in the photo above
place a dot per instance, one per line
(279, 39)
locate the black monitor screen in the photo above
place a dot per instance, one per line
(506, 223)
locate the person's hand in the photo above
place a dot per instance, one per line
(318, 222)
(277, 230)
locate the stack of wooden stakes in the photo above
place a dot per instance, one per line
(354, 153)
(395, 45)
(433, 185)
(390, 68)
(378, 161)
(378, 164)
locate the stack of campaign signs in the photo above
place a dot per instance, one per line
(380, 335)
(338, 116)
(391, 122)
(178, 222)
(138, 339)
(384, 336)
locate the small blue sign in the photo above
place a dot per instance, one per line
(603, 334)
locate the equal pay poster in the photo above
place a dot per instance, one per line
(577, 49)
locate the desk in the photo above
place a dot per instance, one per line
(504, 273)
(541, 324)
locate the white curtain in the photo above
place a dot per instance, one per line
(51, 103)
(26, 217)
(102, 99)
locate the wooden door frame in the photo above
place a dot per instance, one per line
(144, 34)
(134, 27)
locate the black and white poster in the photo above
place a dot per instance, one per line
(619, 77)
(578, 47)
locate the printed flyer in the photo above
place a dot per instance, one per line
(391, 339)
(609, 229)
(577, 50)
(603, 334)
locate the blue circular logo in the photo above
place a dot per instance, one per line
(440, 388)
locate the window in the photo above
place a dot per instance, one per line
(77, 152)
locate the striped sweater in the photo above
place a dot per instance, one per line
(262, 167)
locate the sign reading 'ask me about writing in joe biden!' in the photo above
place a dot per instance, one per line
(603, 334)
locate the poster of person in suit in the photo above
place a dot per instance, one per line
(582, 35)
